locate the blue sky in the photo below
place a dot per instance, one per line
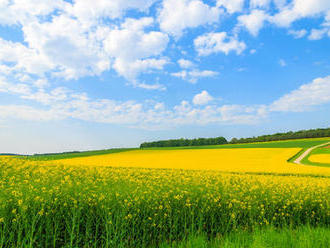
(85, 74)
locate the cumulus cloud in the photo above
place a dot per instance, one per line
(300, 9)
(73, 40)
(155, 86)
(193, 76)
(297, 34)
(185, 64)
(22, 58)
(288, 12)
(24, 112)
(218, 42)
(89, 12)
(18, 88)
(311, 94)
(231, 6)
(202, 98)
(131, 47)
(254, 21)
(176, 16)
(14, 12)
(61, 103)
(241, 114)
(67, 48)
(259, 3)
(190, 73)
(317, 34)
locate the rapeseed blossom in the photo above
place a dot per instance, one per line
(64, 199)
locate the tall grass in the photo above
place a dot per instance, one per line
(301, 237)
(59, 206)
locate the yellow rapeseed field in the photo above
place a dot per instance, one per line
(320, 158)
(269, 160)
(88, 200)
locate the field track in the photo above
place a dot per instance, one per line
(307, 152)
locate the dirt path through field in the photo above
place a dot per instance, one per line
(308, 151)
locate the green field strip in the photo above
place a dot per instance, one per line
(46, 157)
(294, 157)
(319, 150)
(300, 143)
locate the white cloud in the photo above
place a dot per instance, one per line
(317, 34)
(284, 18)
(41, 83)
(259, 3)
(218, 42)
(253, 51)
(287, 14)
(131, 47)
(231, 6)
(306, 8)
(56, 95)
(297, 34)
(23, 11)
(89, 12)
(185, 64)
(194, 75)
(61, 103)
(202, 98)
(68, 49)
(150, 86)
(254, 21)
(282, 62)
(23, 59)
(175, 16)
(130, 69)
(241, 114)
(315, 93)
(75, 42)
(300, 9)
(13, 88)
(132, 42)
(279, 4)
(29, 113)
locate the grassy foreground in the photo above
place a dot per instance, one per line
(301, 237)
(67, 206)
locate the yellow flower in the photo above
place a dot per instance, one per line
(41, 212)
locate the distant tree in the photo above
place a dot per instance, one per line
(312, 133)
(185, 142)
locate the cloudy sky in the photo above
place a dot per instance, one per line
(92, 74)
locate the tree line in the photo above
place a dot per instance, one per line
(312, 133)
(185, 142)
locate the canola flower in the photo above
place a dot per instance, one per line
(268, 160)
(320, 158)
(44, 204)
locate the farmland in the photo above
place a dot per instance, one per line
(319, 156)
(164, 197)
